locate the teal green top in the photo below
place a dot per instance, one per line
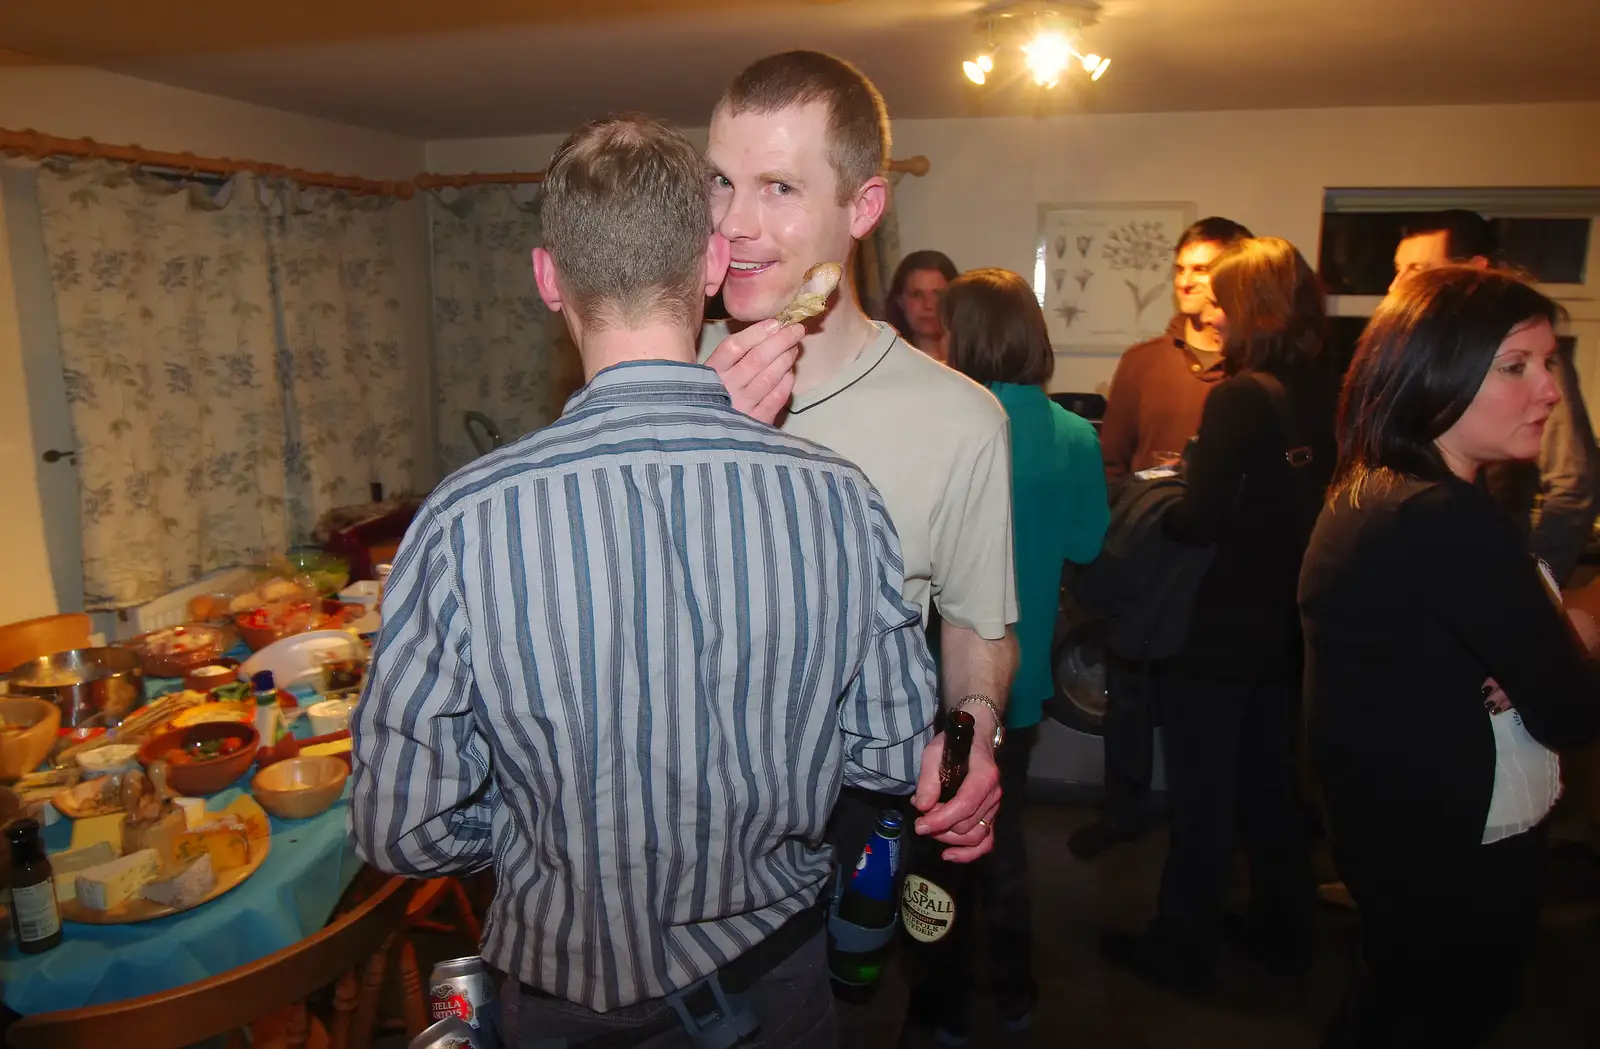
(1058, 513)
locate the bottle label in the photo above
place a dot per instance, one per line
(926, 910)
(37, 918)
(876, 870)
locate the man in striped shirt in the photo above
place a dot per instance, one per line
(629, 660)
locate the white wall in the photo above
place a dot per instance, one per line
(1267, 169)
(72, 102)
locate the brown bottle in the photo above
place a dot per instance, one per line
(927, 901)
(35, 918)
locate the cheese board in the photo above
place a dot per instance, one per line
(243, 811)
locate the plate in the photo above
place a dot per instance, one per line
(140, 909)
(298, 659)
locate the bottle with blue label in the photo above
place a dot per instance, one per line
(868, 905)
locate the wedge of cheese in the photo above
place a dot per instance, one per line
(194, 811)
(186, 888)
(110, 885)
(228, 847)
(67, 865)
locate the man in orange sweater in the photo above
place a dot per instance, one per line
(1156, 398)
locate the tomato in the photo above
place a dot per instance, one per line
(232, 745)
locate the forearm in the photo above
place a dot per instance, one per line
(975, 665)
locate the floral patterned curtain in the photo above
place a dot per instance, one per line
(497, 350)
(165, 308)
(232, 357)
(348, 418)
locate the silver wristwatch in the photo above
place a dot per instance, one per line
(999, 722)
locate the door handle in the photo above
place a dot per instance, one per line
(54, 456)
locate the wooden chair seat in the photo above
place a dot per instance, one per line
(354, 942)
(45, 636)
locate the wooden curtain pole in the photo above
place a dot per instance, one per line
(916, 167)
(37, 146)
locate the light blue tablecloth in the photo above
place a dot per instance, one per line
(290, 896)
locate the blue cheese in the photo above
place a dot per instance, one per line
(67, 866)
(110, 885)
(186, 888)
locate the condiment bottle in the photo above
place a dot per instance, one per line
(269, 719)
(35, 918)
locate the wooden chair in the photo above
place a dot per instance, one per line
(45, 636)
(234, 999)
(429, 897)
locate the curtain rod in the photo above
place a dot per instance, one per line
(37, 146)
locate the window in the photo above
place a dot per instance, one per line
(1550, 233)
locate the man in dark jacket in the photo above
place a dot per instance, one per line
(1157, 394)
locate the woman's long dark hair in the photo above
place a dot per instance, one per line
(1274, 304)
(1418, 367)
(917, 260)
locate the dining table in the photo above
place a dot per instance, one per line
(309, 865)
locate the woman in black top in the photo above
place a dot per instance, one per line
(1440, 664)
(1255, 477)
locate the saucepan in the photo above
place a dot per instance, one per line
(102, 684)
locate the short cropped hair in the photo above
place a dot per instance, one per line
(626, 213)
(1213, 229)
(996, 330)
(1468, 235)
(858, 120)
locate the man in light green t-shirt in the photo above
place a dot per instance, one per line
(798, 145)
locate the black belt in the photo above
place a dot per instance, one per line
(736, 977)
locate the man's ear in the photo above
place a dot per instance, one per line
(867, 207)
(1479, 261)
(544, 275)
(718, 251)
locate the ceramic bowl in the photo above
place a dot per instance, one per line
(300, 788)
(199, 778)
(22, 749)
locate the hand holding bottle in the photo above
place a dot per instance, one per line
(966, 821)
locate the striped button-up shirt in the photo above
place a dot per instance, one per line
(628, 661)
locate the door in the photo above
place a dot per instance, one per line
(41, 467)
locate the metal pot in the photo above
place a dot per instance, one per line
(85, 683)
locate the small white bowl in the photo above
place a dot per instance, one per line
(366, 592)
(109, 760)
(330, 715)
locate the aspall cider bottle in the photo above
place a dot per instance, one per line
(927, 903)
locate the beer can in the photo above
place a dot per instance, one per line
(461, 988)
(453, 1033)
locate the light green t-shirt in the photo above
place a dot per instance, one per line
(935, 445)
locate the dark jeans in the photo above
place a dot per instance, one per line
(1128, 731)
(792, 1001)
(996, 888)
(1444, 941)
(1231, 771)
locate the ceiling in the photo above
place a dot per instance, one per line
(467, 68)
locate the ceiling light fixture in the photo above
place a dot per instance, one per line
(1047, 33)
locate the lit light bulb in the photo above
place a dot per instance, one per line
(1096, 66)
(974, 71)
(1048, 55)
(986, 63)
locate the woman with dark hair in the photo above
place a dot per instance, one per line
(1442, 673)
(1255, 475)
(997, 337)
(912, 305)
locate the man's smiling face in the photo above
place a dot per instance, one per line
(775, 197)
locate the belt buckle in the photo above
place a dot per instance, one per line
(720, 1023)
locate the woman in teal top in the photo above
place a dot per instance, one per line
(997, 337)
